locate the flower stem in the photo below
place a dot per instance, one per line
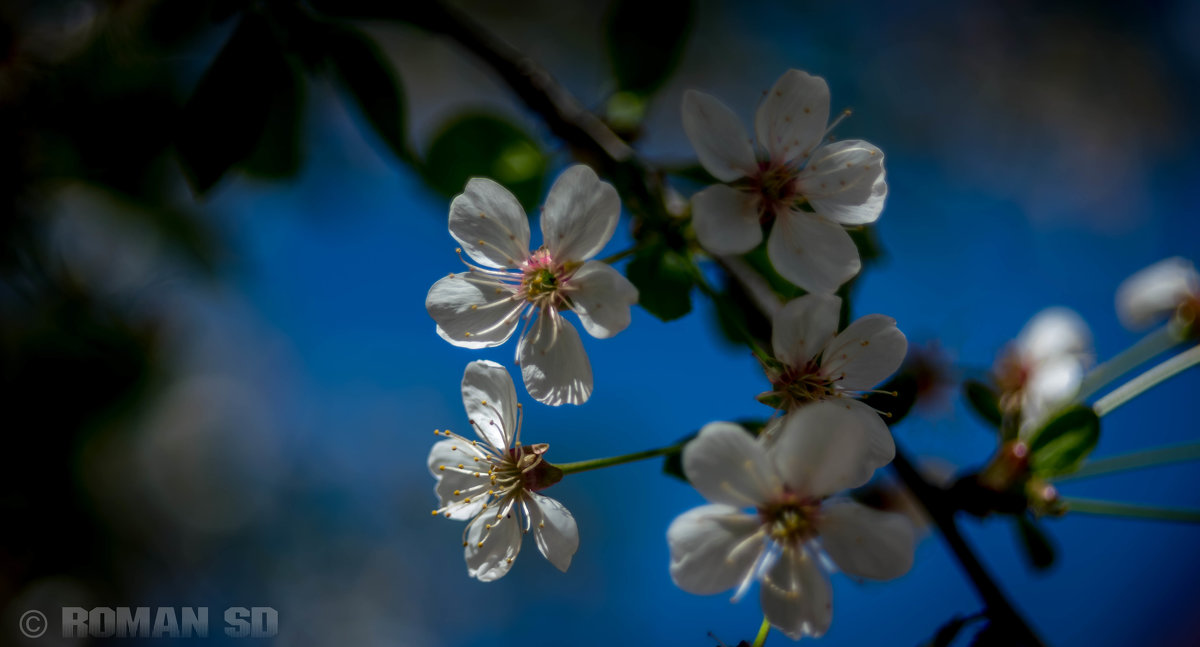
(765, 629)
(597, 463)
(1141, 351)
(1147, 380)
(613, 258)
(1134, 461)
(1130, 510)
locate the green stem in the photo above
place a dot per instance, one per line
(1114, 509)
(719, 301)
(597, 463)
(1141, 351)
(1134, 461)
(613, 258)
(765, 629)
(1147, 380)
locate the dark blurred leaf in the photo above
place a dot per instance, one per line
(483, 145)
(369, 81)
(983, 401)
(1037, 547)
(645, 41)
(905, 385)
(867, 242)
(693, 173)
(1061, 445)
(948, 632)
(664, 281)
(228, 112)
(280, 150)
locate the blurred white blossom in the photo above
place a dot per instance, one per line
(1170, 286)
(1042, 369)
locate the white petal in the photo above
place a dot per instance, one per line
(491, 402)
(726, 219)
(490, 552)
(555, 366)
(1053, 332)
(1051, 385)
(554, 529)
(473, 311)
(721, 142)
(826, 447)
(450, 454)
(864, 542)
(879, 448)
(601, 296)
(865, 353)
(490, 224)
(796, 596)
(844, 181)
(580, 215)
(711, 549)
(1156, 291)
(728, 466)
(803, 327)
(791, 120)
(812, 252)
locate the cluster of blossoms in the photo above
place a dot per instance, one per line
(1043, 368)
(826, 440)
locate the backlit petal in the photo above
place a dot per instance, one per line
(554, 529)
(602, 297)
(844, 181)
(491, 402)
(580, 215)
(803, 327)
(796, 596)
(490, 224)
(720, 140)
(727, 465)
(555, 366)
(864, 542)
(865, 353)
(473, 311)
(791, 119)
(726, 219)
(712, 548)
(812, 252)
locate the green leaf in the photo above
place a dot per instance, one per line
(645, 41)
(983, 401)
(1061, 445)
(369, 81)
(228, 112)
(483, 145)
(1037, 547)
(664, 279)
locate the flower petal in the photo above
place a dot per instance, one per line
(721, 143)
(601, 296)
(864, 542)
(812, 252)
(1051, 385)
(803, 327)
(580, 215)
(726, 219)
(791, 120)
(1053, 332)
(490, 224)
(709, 549)
(473, 311)
(865, 353)
(826, 447)
(449, 454)
(795, 595)
(491, 402)
(492, 545)
(1156, 291)
(728, 466)
(554, 529)
(555, 366)
(844, 181)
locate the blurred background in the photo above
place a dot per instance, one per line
(219, 222)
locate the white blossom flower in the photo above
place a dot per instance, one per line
(482, 307)
(841, 182)
(1169, 286)
(494, 481)
(1043, 368)
(815, 362)
(794, 526)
